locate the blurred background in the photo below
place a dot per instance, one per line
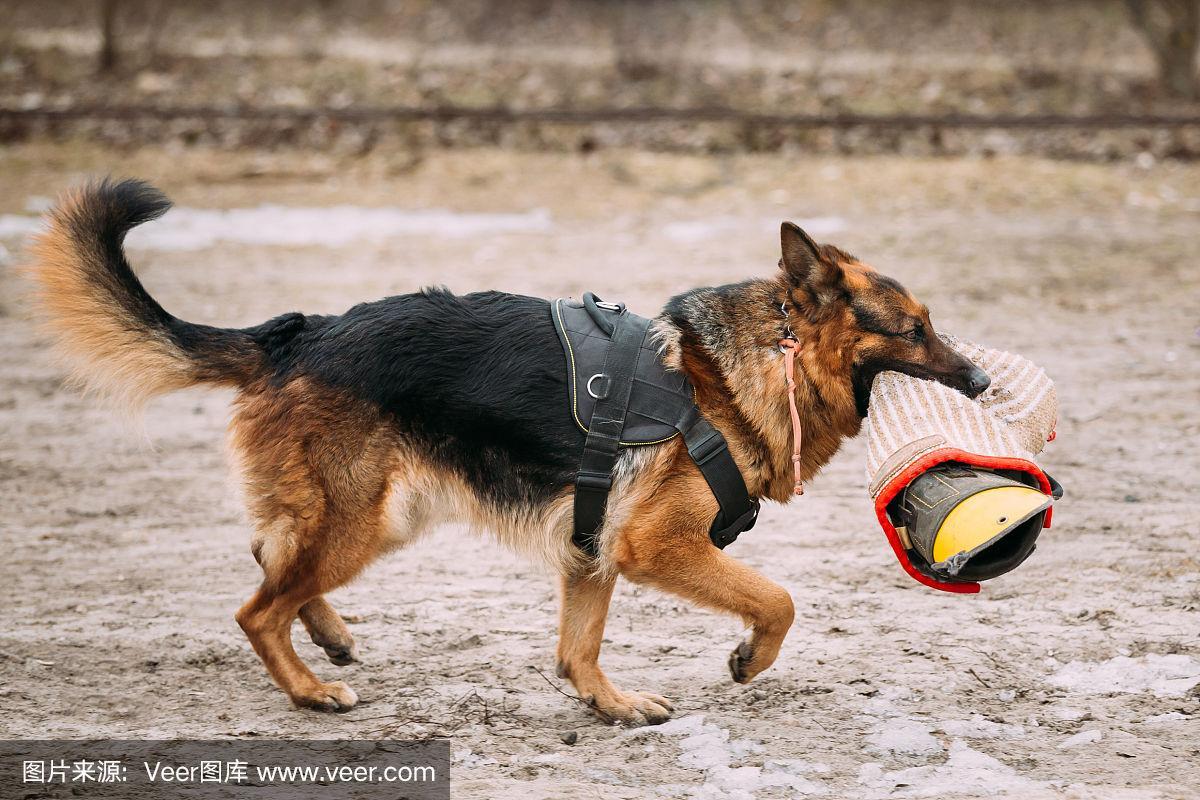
(1078, 78)
(1028, 169)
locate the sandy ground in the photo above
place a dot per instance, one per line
(125, 555)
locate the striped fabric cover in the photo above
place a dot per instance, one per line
(910, 418)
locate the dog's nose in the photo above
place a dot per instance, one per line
(978, 381)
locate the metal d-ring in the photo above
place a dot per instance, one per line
(589, 386)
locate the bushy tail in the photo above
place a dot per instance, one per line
(119, 340)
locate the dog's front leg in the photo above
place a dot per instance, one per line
(582, 615)
(662, 549)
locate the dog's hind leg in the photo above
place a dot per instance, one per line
(325, 626)
(405, 520)
(267, 620)
(303, 559)
(317, 467)
(584, 609)
(328, 630)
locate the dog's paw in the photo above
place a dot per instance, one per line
(341, 654)
(740, 661)
(633, 709)
(335, 696)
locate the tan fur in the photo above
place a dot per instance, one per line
(107, 351)
(665, 544)
(745, 395)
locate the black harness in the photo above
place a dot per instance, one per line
(622, 395)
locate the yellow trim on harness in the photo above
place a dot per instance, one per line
(574, 398)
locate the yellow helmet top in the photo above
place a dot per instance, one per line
(983, 517)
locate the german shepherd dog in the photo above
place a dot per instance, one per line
(357, 433)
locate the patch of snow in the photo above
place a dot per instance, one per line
(903, 736)
(1069, 714)
(699, 230)
(1170, 716)
(704, 745)
(18, 225)
(468, 759)
(313, 226)
(542, 758)
(696, 230)
(818, 226)
(1083, 737)
(796, 766)
(606, 776)
(1162, 675)
(883, 704)
(965, 773)
(709, 748)
(979, 727)
(894, 731)
(38, 204)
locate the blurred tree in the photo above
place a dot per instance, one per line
(1172, 28)
(108, 35)
(152, 49)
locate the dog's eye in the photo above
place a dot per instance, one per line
(916, 334)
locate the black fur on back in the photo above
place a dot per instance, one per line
(477, 381)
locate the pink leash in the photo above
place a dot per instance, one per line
(789, 347)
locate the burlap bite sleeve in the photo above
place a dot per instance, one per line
(914, 424)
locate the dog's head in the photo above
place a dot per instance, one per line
(874, 321)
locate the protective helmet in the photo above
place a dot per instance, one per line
(965, 523)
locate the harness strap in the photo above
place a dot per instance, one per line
(654, 401)
(708, 448)
(790, 347)
(601, 446)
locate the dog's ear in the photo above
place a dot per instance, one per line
(804, 265)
